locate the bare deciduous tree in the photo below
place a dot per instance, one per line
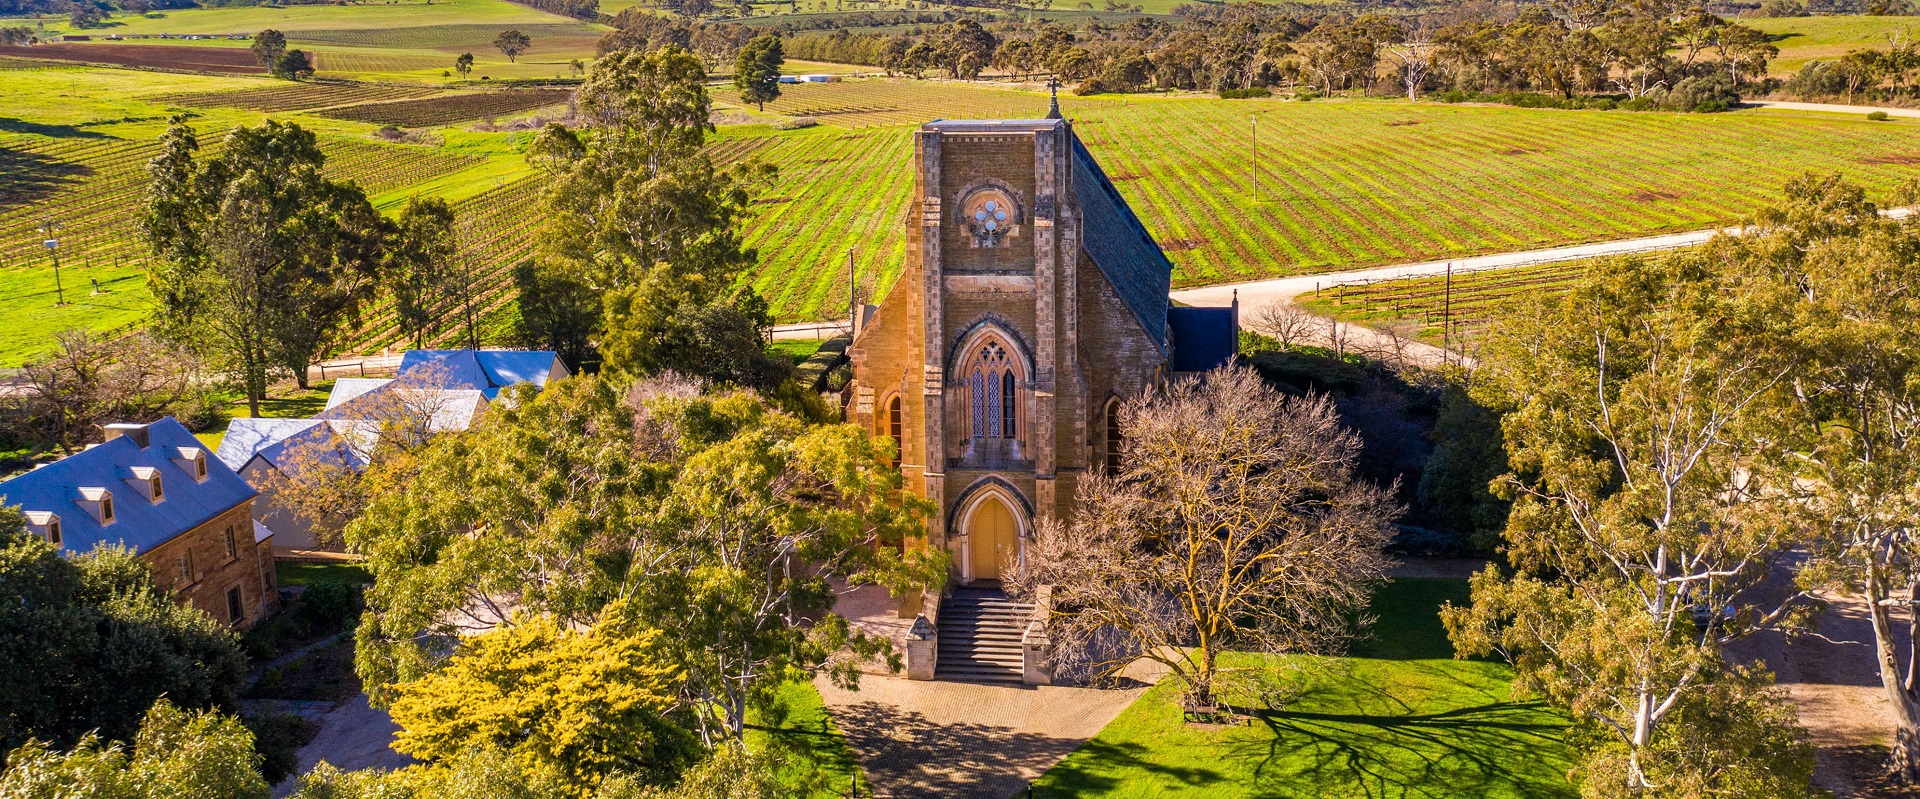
(90, 381)
(1285, 322)
(1235, 522)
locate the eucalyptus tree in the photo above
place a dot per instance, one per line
(712, 517)
(645, 220)
(260, 259)
(1635, 411)
(1848, 283)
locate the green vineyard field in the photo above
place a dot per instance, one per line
(93, 188)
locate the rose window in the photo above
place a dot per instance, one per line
(990, 217)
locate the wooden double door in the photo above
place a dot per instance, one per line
(993, 539)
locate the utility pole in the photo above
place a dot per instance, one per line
(1446, 311)
(853, 296)
(1255, 165)
(51, 228)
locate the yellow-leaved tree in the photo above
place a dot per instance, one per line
(569, 705)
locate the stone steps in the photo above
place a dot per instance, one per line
(980, 632)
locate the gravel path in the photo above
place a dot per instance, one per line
(953, 740)
(1837, 108)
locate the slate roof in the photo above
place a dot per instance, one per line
(1203, 338)
(1121, 246)
(490, 370)
(245, 437)
(138, 523)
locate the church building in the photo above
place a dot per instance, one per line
(1033, 303)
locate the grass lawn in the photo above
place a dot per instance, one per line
(819, 764)
(288, 403)
(1803, 39)
(1401, 718)
(795, 350)
(289, 575)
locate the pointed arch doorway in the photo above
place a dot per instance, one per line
(993, 533)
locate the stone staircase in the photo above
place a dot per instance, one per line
(979, 635)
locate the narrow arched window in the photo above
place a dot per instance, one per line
(1007, 405)
(1113, 437)
(993, 383)
(893, 429)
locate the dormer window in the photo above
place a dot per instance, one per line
(45, 525)
(193, 460)
(97, 502)
(146, 480)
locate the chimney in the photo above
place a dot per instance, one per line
(137, 432)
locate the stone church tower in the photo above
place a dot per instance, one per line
(1033, 302)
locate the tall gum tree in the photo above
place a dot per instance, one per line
(1634, 412)
(651, 226)
(1849, 281)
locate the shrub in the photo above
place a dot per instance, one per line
(1244, 94)
(795, 123)
(278, 738)
(201, 411)
(330, 605)
(1604, 104)
(1878, 116)
(1816, 79)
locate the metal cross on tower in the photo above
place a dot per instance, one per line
(1053, 97)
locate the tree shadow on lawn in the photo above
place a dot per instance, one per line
(27, 177)
(15, 125)
(1485, 750)
(908, 754)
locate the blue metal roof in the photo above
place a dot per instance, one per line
(247, 436)
(1123, 249)
(490, 370)
(137, 523)
(1203, 338)
(330, 435)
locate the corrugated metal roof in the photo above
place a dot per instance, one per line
(490, 370)
(347, 388)
(138, 523)
(246, 437)
(1121, 246)
(1203, 338)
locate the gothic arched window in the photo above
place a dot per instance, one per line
(894, 420)
(1006, 401)
(1113, 436)
(993, 381)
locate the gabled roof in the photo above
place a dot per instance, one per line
(333, 438)
(490, 370)
(138, 523)
(1203, 338)
(347, 388)
(248, 436)
(1123, 249)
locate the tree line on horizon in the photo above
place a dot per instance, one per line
(1562, 49)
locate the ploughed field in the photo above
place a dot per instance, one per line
(235, 60)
